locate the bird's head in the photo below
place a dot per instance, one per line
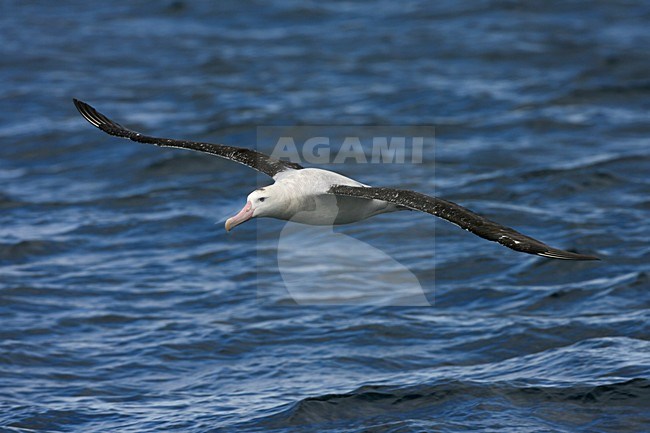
(263, 202)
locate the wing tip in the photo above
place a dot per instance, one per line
(97, 119)
(88, 113)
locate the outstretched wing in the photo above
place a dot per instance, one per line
(251, 158)
(462, 217)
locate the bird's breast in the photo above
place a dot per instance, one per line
(328, 209)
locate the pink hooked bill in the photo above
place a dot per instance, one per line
(244, 215)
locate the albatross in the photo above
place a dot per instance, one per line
(321, 197)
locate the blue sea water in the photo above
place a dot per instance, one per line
(123, 307)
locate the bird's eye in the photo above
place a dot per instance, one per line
(262, 199)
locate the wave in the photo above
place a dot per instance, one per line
(556, 387)
(372, 401)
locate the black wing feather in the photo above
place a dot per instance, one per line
(249, 157)
(462, 217)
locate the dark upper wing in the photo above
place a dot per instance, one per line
(251, 158)
(462, 217)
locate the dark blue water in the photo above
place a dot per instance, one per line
(123, 307)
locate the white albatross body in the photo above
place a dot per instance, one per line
(305, 199)
(321, 197)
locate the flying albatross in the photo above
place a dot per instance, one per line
(322, 197)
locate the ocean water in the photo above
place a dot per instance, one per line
(124, 307)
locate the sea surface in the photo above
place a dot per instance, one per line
(126, 307)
